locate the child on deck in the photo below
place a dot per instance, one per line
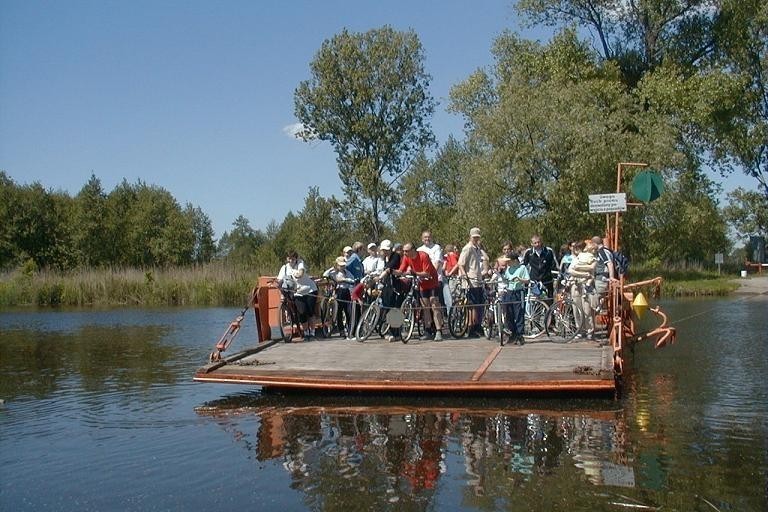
(516, 277)
(344, 283)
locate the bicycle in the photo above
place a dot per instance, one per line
(564, 319)
(407, 310)
(493, 314)
(458, 317)
(329, 308)
(535, 310)
(289, 316)
(371, 320)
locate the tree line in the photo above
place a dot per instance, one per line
(134, 225)
(680, 85)
(137, 225)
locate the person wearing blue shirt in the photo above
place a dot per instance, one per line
(517, 277)
(354, 263)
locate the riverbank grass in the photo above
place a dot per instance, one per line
(223, 285)
(194, 286)
(687, 279)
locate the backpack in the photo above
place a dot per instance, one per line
(604, 255)
(620, 263)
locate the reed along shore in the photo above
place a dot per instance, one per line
(227, 285)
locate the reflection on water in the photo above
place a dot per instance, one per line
(91, 358)
(360, 456)
(100, 413)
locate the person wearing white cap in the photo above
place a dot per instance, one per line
(389, 296)
(293, 276)
(344, 279)
(373, 263)
(473, 263)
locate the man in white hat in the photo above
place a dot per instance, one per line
(345, 317)
(472, 265)
(373, 263)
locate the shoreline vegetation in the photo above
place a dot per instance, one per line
(226, 285)
(207, 285)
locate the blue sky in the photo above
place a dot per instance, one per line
(196, 96)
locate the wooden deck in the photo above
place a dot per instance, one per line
(462, 365)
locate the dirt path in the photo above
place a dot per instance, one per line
(753, 285)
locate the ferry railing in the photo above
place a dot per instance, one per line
(622, 326)
(234, 326)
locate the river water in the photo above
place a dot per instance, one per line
(100, 413)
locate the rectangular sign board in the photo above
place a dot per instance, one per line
(607, 203)
(719, 258)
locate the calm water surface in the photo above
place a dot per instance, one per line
(100, 413)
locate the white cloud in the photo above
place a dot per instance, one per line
(294, 130)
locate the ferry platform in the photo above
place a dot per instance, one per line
(453, 365)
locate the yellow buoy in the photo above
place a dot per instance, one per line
(640, 305)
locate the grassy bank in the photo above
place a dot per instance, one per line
(220, 285)
(687, 280)
(212, 285)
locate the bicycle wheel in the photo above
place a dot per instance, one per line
(500, 319)
(535, 318)
(409, 319)
(287, 322)
(383, 326)
(328, 316)
(368, 322)
(564, 319)
(458, 320)
(418, 321)
(489, 321)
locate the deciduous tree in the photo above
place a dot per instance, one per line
(368, 96)
(90, 224)
(747, 213)
(204, 247)
(318, 230)
(739, 130)
(239, 245)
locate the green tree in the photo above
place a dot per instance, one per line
(318, 232)
(90, 233)
(176, 244)
(738, 130)
(121, 202)
(204, 246)
(240, 245)
(431, 194)
(286, 237)
(158, 233)
(8, 200)
(368, 96)
(747, 213)
(638, 35)
(716, 51)
(685, 224)
(146, 226)
(37, 219)
(547, 126)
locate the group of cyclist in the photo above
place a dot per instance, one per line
(584, 268)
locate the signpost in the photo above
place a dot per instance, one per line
(607, 203)
(718, 261)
